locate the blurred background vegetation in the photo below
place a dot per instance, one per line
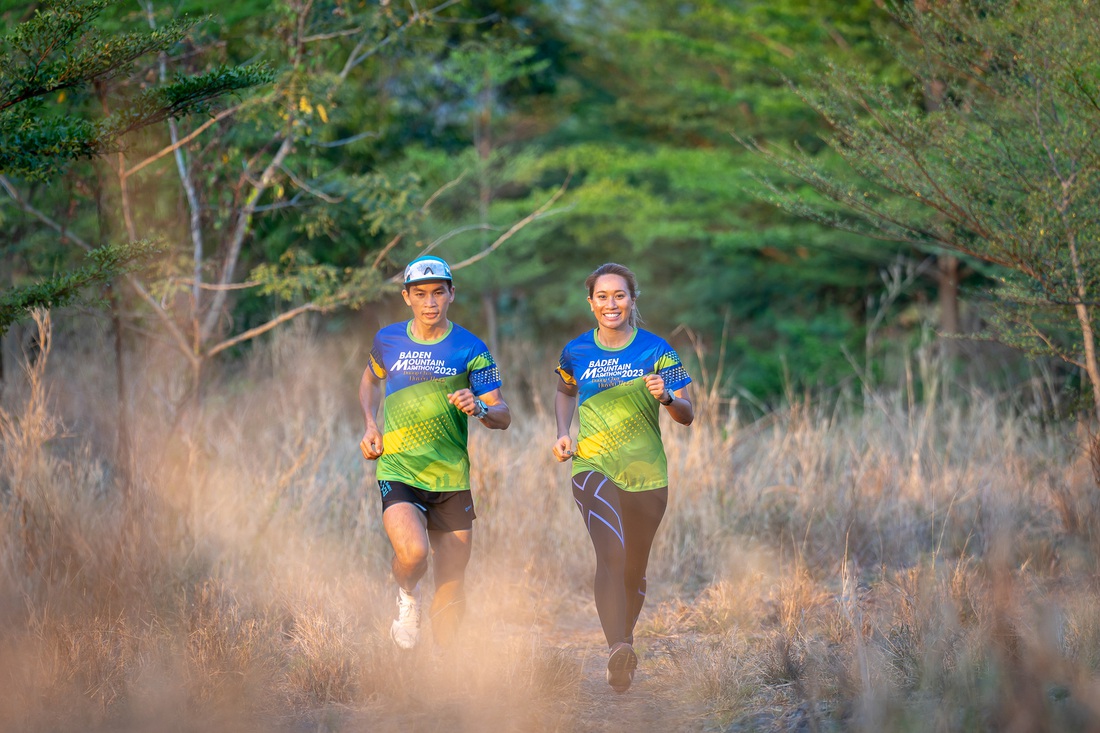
(598, 130)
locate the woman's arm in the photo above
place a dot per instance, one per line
(681, 409)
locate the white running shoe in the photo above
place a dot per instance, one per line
(405, 629)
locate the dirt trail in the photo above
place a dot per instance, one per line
(649, 705)
(653, 702)
(552, 682)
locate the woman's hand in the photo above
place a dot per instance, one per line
(563, 449)
(655, 383)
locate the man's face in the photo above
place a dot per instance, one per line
(429, 301)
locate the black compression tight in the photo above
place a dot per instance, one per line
(622, 525)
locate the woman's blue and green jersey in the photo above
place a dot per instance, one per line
(620, 431)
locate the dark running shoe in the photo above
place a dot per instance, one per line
(620, 666)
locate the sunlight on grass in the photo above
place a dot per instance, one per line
(825, 567)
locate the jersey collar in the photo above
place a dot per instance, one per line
(409, 333)
(596, 338)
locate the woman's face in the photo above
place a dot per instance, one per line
(611, 302)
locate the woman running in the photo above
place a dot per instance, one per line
(621, 375)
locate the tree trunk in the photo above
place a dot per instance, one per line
(1091, 368)
(484, 144)
(194, 398)
(489, 306)
(123, 453)
(123, 448)
(950, 323)
(947, 276)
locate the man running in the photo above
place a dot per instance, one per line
(437, 376)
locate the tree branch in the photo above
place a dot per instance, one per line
(328, 199)
(26, 206)
(330, 36)
(186, 139)
(423, 210)
(263, 328)
(177, 335)
(385, 250)
(535, 215)
(346, 141)
(417, 16)
(244, 221)
(211, 286)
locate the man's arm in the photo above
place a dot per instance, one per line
(370, 396)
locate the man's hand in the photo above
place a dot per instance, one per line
(464, 400)
(371, 444)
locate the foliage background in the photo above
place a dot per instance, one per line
(483, 110)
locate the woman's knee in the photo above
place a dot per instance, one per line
(611, 561)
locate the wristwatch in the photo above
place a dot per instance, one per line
(671, 398)
(482, 409)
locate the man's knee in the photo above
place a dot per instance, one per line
(404, 525)
(451, 554)
(451, 566)
(414, 556)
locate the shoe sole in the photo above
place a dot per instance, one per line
(620, 668)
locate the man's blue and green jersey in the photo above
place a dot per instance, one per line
(425, 435)
(620, 431)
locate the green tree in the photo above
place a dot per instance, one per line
(636, 108)
(1004, 170)
(59, 53)
(289, 206)
(480, 70)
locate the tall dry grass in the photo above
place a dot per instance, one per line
(886, 565)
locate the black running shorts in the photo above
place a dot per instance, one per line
(446, 511)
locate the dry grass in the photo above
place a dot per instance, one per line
(914, 567)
